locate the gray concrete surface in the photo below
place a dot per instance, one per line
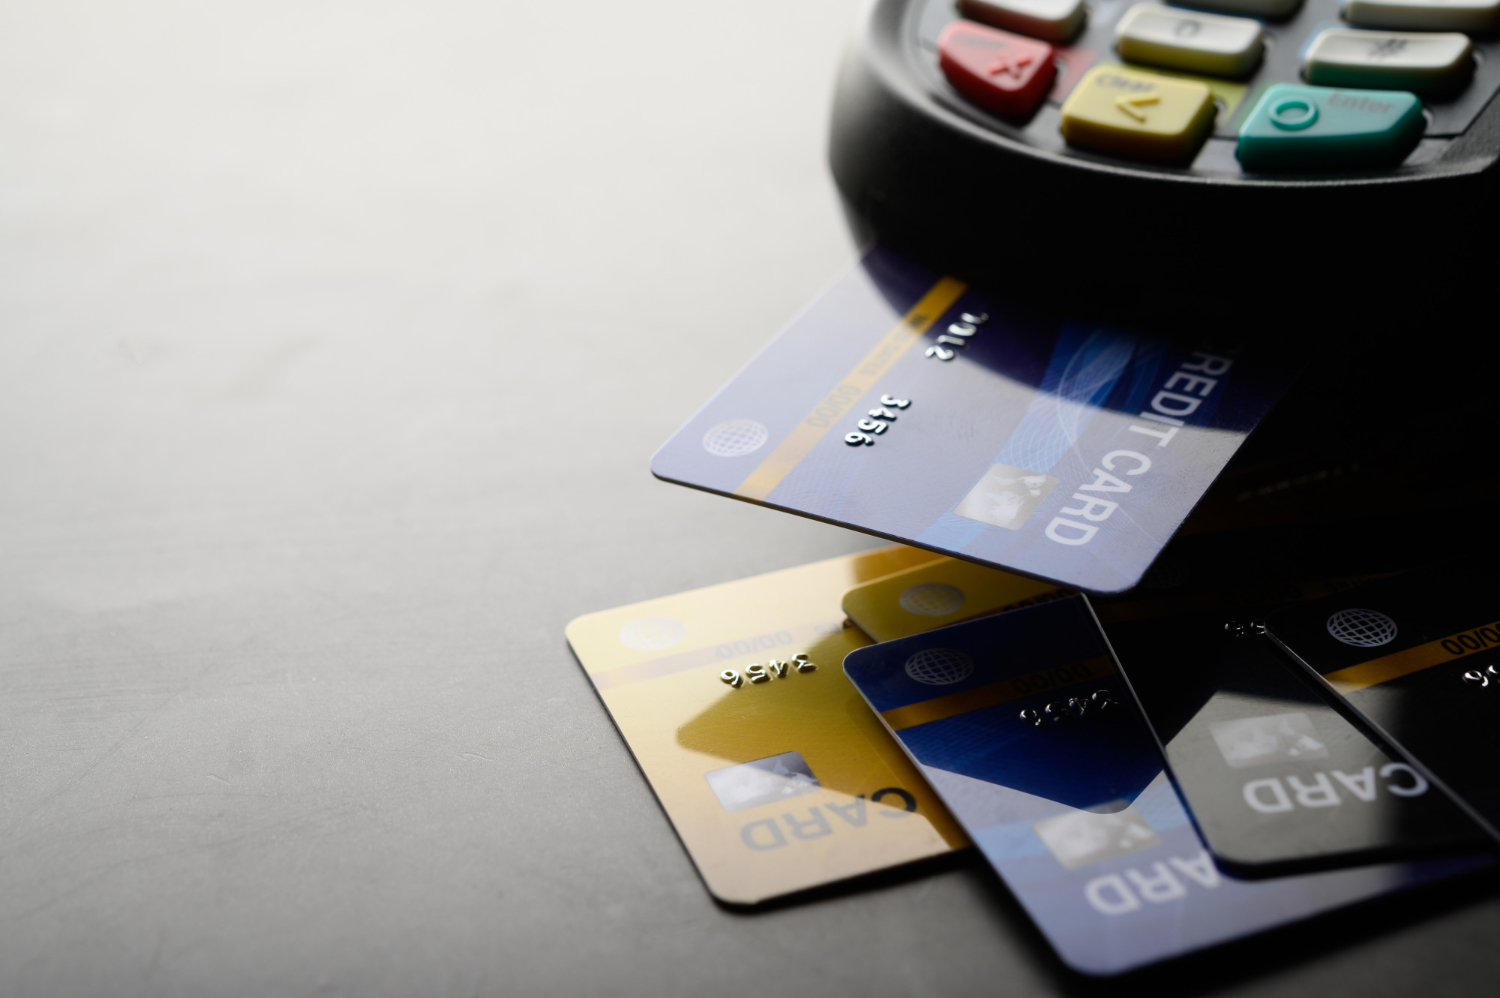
(334, 339)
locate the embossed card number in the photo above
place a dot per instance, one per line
(878, 422)
(771, 670)
(1074, 708)
(957, 335)
(1486, 678)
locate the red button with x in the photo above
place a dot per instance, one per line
(1006, 74)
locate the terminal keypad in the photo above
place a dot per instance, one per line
(1436, 63)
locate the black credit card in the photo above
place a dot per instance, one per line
(1277, 780)
(1417, 657)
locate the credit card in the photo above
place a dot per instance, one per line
(733, 701)
(1023, 725)
(1417, 656)
(1276, 779)
(906, 404)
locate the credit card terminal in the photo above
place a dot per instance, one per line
(1310, 156)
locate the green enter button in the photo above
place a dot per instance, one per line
(1297, 127)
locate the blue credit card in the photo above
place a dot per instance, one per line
(908, 405)
(1026, 730)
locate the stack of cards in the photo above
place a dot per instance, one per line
(1159, 744)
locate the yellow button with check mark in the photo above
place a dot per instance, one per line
(1140, 115)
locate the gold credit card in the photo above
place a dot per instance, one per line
(775, 773)
(937, 593)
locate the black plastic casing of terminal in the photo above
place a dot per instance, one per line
(1289, 254)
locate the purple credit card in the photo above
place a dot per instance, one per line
(908, 405)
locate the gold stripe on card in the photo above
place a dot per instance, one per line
(800, 442)
(1404, 663)
(1014, 688)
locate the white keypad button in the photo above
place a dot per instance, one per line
(1050, 20)
(1389, 60)
(1274, 9)
(1425, 15)
(1185, 39)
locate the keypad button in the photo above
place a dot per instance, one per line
(1274, 9)
(1425, 15)
(1139, 115)
(1190, 41)
(1426, 63)
(1003, 73)
(1050, 20)
(1300, 127)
